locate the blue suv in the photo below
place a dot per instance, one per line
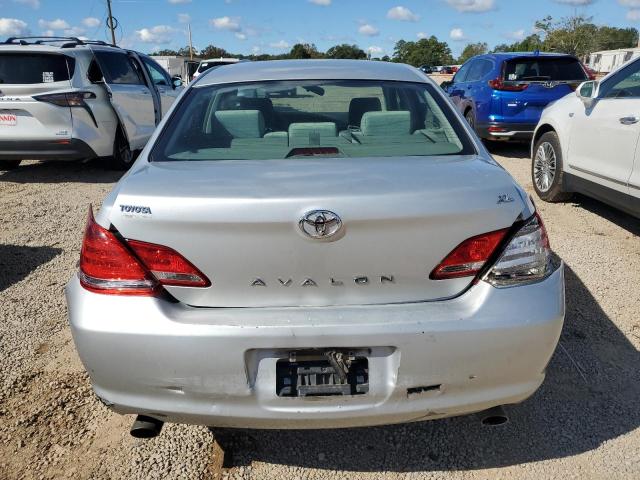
(502, 95)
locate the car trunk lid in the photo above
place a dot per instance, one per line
(238, 222)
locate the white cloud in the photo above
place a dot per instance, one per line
(49, 33)
(375, 50)
(35, 4)
(457, 35)
(281, 45)
(75, 31)
(472, 6)
(633, 15)
(178, 2)
(12, 26)
(629, 3)
(368, 30)
(184, 18)
(403, 14)
(159, 34)
(57, 24)
(91, 22)
(324, 3)
(226, 23)
(241, 36)
(422, 35)
(515, 35)
(255, 49)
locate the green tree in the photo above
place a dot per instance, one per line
(211, 51)
(346, 51)
(575, 35)
(473, 49)
(529, 44)
(304, 50)
(612, 38)
(184, 52)
(165, 53)
(426, 51)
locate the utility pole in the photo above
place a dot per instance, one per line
(190, 45)
(111, 23)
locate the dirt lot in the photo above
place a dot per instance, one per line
(583, 423)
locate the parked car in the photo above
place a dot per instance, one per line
(69, 99)
(587, 143)
(351, 256)
(427, 69)
(502, 95)
(212, 63)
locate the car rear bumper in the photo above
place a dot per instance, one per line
(72, 149)
(216, 367)
(506, 131)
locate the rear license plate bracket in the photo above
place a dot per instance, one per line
(317, 374)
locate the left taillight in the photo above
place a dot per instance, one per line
(68, 99)
(112, 266)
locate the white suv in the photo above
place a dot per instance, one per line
(588, 143)
(69, 99)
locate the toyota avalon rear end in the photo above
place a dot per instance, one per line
(315, 244)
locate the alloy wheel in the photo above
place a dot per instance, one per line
(544, 166)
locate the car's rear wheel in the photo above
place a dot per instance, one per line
(9, 164)
(122, 157)
(546, 169)
(470, 119)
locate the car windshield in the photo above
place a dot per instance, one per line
(544, 69)
(345, 118)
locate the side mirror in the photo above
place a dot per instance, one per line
(445, 85)
(176, 81)
(588, 92)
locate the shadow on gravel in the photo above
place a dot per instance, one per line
(17, 261)
(620, 218)
(590, 396)
(518, 150)
(60, 172)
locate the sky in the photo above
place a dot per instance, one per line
(273, 26)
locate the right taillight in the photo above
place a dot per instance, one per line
(499, 84)
(525, 259)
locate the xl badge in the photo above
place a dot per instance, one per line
(320, 224)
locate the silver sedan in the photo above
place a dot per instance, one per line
(311, 244)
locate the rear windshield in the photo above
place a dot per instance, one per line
(30, 68)
(204, 66)
(544, 69)
(272, 120)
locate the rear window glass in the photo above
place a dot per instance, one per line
(30, 68)
(544, 69)
(274, 120)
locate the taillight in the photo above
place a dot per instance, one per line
(468, 258)
(499, 84)
(109, 266)
(168, 266)
(69, 99)
(527, 257)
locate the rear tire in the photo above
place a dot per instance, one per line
(546, 169)
(468, 116)
(122, 157)
(9, 164)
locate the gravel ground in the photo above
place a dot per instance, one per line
(583, 423)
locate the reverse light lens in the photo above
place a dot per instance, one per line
(106, 266)
(168, 266)
(468, 258)
(526, 259)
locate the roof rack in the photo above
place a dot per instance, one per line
(70, 42)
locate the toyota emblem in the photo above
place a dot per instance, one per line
(320, 224)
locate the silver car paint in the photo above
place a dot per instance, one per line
(485, 346)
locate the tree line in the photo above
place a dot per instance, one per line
(576, 35)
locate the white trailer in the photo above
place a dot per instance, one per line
(607, 61)
(178, 66)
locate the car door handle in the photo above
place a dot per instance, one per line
(629, 120)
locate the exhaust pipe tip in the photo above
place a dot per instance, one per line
(494, 417)
(146, 427)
